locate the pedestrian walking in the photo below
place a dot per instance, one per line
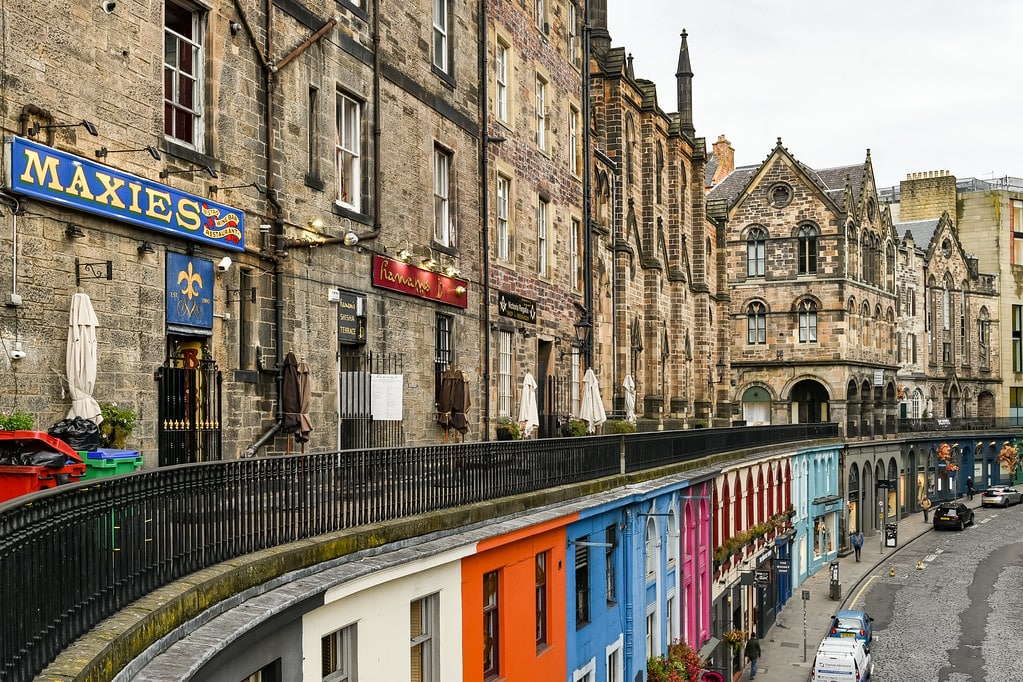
(969, 487)
(926, 505)
(857, 543)
(752, 653)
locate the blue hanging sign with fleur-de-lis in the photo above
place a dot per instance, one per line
(189, 291)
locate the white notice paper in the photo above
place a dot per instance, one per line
(386, 393)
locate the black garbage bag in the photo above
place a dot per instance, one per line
(80, 433)
(48, 459)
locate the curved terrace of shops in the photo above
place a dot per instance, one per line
(122, 541)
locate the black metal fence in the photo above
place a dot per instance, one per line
(659, 448)
(74, 555)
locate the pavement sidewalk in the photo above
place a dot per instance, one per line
(781, 658)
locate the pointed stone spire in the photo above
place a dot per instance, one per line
(600, 39)
(684, 79)
(629, 71)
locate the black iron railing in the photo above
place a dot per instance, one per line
(648, 450)
(76, 554)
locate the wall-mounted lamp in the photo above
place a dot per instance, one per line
(102, 152)
(429, 263)
(234, 27)
(146, 247)
(405, 254)
(351, 239)
(72, 231)
(35, 127)
(582, 331)
(212, 173)
(452, 271)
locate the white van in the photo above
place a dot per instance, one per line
(841, 659)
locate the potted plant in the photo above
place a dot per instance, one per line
(508, 429)
(17, 421)
(573, 428)
(619, 426)
(118, 423)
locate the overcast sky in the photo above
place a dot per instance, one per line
(924, 84)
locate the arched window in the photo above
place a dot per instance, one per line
(756, 241)
(683, 197)
(807, 237)
(946, 306)
(671, 552)
(807, 321)
(651, 549)
(659, 173)
(865, 315)
(756, 323)
(630, 149)
(983, 339)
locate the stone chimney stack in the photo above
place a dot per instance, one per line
(724, 155)
(925, 196)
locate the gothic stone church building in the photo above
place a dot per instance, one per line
(811, 263)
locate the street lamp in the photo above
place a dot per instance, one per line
(583, 328)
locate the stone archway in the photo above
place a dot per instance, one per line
(810, 402)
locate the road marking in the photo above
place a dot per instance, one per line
(859, 593)
(987, 519)
(930, 557)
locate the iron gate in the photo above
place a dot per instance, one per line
(555, 405)
(189, 398)
(359, 428)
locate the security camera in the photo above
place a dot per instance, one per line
(109, 6)
(225, 264)
(18, 354)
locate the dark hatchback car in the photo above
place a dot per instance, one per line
(952, 515)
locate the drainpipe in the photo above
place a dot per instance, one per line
(587, 186)
(485, 214)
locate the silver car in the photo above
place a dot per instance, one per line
(1000, 496)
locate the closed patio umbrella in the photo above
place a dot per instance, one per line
(630, 398)
(81, 359)
(529, 417)
(296, 394)
(591, 409)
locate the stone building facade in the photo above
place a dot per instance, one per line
(963, 232)
(533, 194)
(659, 297)
(948, 361)
(337, 147)
(812, 275)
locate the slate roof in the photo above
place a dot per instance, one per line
(710, 170)
(831, 181)
(922, 231)
(733, 183)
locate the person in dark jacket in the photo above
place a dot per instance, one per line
(752, 653)
(857, 543)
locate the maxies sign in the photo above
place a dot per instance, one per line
(408, 279)
(58, 177)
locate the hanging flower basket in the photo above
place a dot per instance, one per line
(734, 638)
